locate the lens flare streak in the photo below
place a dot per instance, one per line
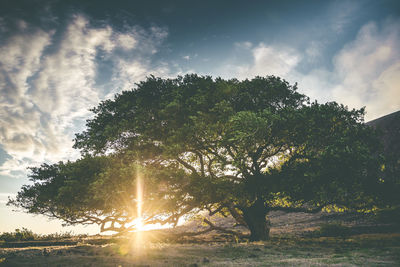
(138, 240)
(139, 201)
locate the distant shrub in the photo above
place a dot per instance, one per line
(27, 235)
(19, 235)
(56, 236)
(334, 230)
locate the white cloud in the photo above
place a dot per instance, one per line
(20, 57)
(128, 71)
(126, 41)
(313, 51)
(265, 60)
(48, 82)
(275, 61)
(366, 71)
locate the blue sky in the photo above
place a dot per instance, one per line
(60, 58)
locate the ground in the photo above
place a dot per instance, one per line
(295, 241)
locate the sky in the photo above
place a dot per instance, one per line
(59, 58)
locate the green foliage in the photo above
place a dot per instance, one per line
(198, 143)
(390, 180)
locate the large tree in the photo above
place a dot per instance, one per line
(239, 148)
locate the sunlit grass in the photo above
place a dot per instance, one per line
(365, 250)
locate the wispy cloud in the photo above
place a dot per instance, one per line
(341, 14)
(264, 60)
(49, 80)
(366, 71)
(269, 59)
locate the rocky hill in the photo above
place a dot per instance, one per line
(389, 128)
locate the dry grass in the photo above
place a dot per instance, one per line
(377, 249)
(290, 244)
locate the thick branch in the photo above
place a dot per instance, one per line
(255, 166)
(187, 166)
(239, 218)
(201, 164)
(86, 220)
(268, 155)
(174, 218)
(213, 212)
(209, 167)
(221, 229)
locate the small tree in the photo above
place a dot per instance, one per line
(239, 148)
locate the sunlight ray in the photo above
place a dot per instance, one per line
(139, 200)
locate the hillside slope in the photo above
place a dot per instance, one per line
(389, 128)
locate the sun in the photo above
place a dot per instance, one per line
(139, 224)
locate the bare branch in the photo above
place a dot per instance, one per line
(187, 166)
(173, 218)
(201, 163)
(213, 212)
(209, 166)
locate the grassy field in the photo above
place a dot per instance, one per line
(292, 243)
(362, 250)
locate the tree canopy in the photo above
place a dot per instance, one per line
(239, 148)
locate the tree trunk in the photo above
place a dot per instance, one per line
(255, 218)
